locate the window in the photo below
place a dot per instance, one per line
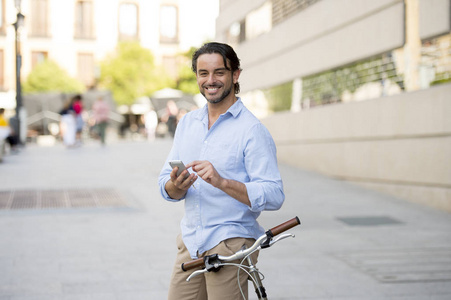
(259, 21)
(39, 18)
(370, 78)
(85, 69)
(283, 9)
(169, 32)
(37, 57)
(128, 21)
(237, 33)
(84, 20)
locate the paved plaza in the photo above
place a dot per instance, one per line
(89, 223)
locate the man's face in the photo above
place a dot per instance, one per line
(215, 82)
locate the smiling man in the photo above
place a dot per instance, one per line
(233, 176)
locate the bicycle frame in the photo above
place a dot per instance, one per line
(215, 262)
(254, 275)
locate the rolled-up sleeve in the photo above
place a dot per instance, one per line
(265, 187)
(162, 180)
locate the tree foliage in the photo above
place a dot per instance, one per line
(186, 80)
(130, 73)
(48, 76)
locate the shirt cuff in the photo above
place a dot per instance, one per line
(164, 193)
(256, 196)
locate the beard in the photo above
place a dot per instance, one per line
(222, 97)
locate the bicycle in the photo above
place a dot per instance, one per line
(214, 262)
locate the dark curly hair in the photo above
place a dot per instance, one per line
(227, 53)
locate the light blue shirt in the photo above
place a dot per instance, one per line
(240, 148)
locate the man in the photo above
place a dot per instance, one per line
(234, 176)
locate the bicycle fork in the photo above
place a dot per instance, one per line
(256, 280)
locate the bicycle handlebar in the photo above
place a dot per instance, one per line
(269, 234)
(193, 264)
(285, 226)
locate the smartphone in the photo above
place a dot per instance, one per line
(180, 165)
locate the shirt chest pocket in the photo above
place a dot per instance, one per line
(224, 157)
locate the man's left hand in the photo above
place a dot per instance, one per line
(206, 171)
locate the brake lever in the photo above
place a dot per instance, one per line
(195, 273)
(280, 237)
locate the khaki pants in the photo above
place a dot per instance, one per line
(222, 285)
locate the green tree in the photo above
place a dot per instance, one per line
(130, 73)
(186, 80)
(47, 76)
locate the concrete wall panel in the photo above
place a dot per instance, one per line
(434, 17)
(399, 144)
(408, 161)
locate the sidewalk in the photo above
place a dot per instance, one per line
(89, 223)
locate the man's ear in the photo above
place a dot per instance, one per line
(236, 75)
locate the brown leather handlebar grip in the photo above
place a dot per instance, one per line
(285, 226)
(192, 264)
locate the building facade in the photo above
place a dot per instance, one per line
(77, 34)
(361, 88)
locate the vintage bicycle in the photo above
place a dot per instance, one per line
(214, 262)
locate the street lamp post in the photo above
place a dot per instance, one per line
(17, 26)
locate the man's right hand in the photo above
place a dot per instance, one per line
(177, 186)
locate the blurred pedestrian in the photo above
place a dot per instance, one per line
(67, 125)
(150, 123)
(7, 133)
(170, 116)
(77, 106)
(101, 112)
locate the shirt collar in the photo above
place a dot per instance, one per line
(234, 110)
